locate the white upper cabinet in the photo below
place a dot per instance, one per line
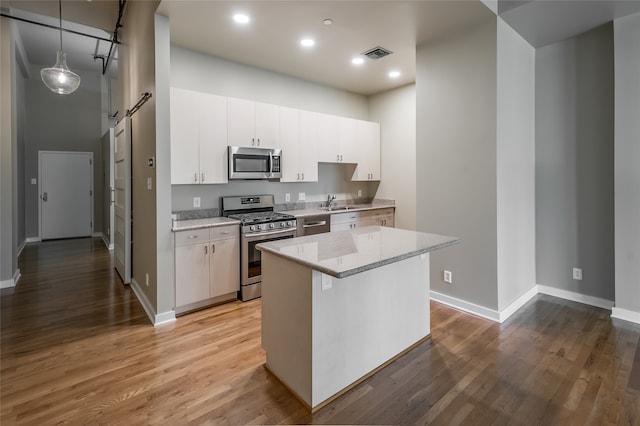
(308, 146)
(198, 137)
(185, 154)
(213, 139)
(252, 124)
(337, 139)
(368, 142)
(298, 140)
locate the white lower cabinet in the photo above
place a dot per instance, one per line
(207, 266)
(358, 219)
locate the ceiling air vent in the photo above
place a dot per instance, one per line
(377, 53)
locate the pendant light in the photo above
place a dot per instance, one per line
(59, 78)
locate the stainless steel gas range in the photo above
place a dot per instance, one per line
(258, 224)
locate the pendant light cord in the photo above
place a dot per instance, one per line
(60, 10)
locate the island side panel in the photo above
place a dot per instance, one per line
(365, 320)
(286, 322)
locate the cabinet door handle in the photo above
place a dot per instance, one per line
(298, 178)
(195, 177)
(253, 141)
(258, 141)
(202, 180)
(338, 157)
(206, 249)
(213, 248)
(303, 176)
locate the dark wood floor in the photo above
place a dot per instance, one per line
(77, 348)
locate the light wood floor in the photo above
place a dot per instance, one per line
(77, 348)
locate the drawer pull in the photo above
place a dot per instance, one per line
(192, 237)
(224, 232)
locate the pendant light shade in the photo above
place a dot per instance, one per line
(59, 78)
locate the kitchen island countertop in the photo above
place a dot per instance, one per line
(345, 253)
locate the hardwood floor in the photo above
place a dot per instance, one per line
(78, 348)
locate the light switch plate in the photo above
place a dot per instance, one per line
(301, 196)
(359, 193)
(287, 197)
(325, 283)
(448, 277)
(196, 201)
(33, 181)
(577, 273)
(149, 183)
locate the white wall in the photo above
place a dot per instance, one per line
(205, 73)
(515, 148)
(574, 163)
(627, 165)
(395, 110)
(456, 159)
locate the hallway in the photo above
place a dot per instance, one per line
(77, 347)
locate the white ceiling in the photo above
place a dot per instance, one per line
(270, 41)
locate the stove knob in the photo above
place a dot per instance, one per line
(272, 225)
(289, 223)
(282, 224)
(252, 228)
(259, 227)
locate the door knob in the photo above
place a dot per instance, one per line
(44, 196)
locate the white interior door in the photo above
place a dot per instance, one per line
(66, 194)
(122, 199)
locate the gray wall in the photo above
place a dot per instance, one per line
(196, 71)
(627, 162)
(61, 123)
(574, 163)
(456, 159)
(515, 147)
(395, 110)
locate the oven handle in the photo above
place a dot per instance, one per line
(314, 224)
(269, 234)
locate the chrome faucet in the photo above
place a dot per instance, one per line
(330, 199)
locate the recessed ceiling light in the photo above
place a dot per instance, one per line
(307, 42)
(241, 18)
(327, 21)
(394, 74)
(357, 61)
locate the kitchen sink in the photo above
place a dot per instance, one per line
(336, 209)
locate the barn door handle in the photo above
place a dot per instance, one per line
(44, 196)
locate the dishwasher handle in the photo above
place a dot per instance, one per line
(314, 224)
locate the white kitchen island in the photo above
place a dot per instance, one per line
(338, 306)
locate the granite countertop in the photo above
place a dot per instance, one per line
(323, 210)
(344, 253)
(210, 222)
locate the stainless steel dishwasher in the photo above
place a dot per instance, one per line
(310, 225)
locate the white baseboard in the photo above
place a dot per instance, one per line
(156, 319)
(97, 235)
(33, 240)
(11, 282)
(575, 297)
(463, 305)
(21, 247)
(517, 304)
(7, 283)
(501, 316)
(625, 314)
(106, 242)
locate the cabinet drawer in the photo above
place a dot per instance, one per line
(196, 236)
(224, 232)
(376, 214)
(344, 217)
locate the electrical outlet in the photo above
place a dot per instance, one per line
(33, 181)
(287, 197)
(325, 283)
(359, 193)
(196, 201)
(448, 277)
(147, 278)
(301, 196)
(577, 273)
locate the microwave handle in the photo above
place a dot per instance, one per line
(270, 163)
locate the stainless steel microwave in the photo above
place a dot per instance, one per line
(254, 163)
